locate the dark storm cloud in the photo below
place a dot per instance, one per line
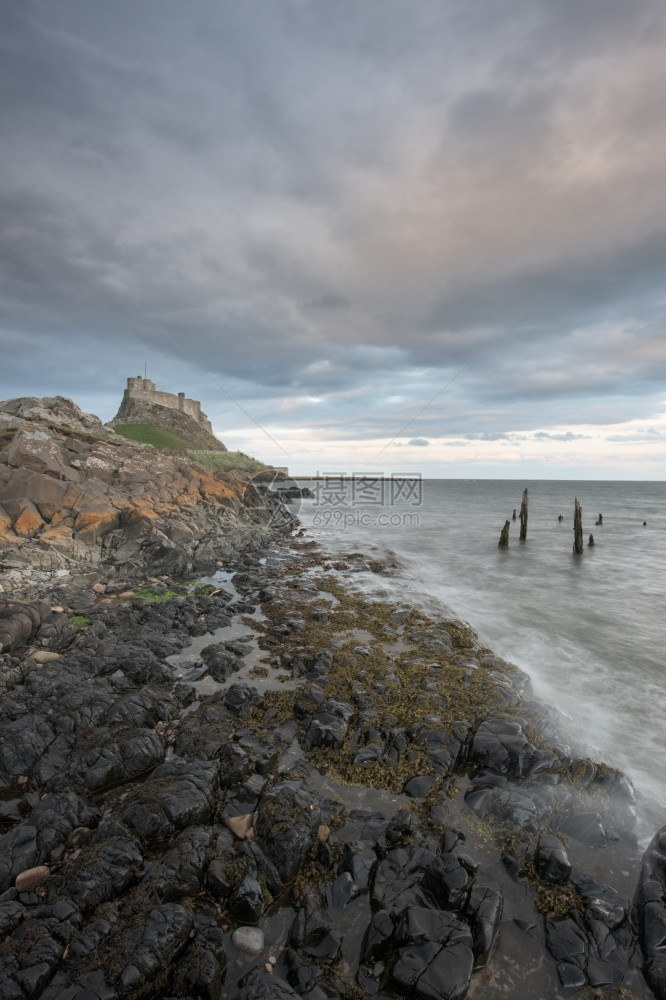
(332, 210)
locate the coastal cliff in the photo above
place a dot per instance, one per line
(74, 494)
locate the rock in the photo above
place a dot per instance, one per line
(447, 882)
(586, 827)
(247, 902)
(45, 656)
(651, 907)
(328, 726)
(397, 881)
(312, 932)
(249, 939)
(552, 863)
(286, 827)
(501, 747)
(240, 826)
(31, 877)
(147, 953)
(359, 861)
(261, 985)
(434, 955)
(483, 913)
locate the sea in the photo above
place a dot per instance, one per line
(589, 629)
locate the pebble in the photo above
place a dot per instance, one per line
(249, 939)
(57, 609)
(31, 877)
(241, 826)
(324, 832)
(98, 588)
(45, 656)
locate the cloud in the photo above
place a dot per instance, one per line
(332, 211)
(568, 436)
(419, 443)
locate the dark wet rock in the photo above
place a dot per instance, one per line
(106, 868)
(55, 817)
(397, 879)
(23, 742)
(286, 827)
(179, 872)
(220, 662)
(342, 890)
(444, 748)
(307, 700)
(111, 756)
(312, 932)
(523, 804)
(396, 832)
(552, 862)
(584, 826)
(651, 907)
(307, 978)
(329, 725)
(201, 972)
(247, 902)
(147, 953)
(378, 936)
(483, 913)
(435, 956)
(420, 786)
(18, 852)
(566, 940)
(179, 793)
(12, 913)
(260, 985)
(447, 882)
(263, 752)
(359, 861)
(240, 699)
(501, 747)
(265, 868)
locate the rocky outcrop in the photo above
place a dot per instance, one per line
(74, 494)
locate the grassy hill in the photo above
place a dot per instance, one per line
(163, 439)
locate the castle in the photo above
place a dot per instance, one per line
(142, 390)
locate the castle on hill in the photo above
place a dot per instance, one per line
(144, 391)
(143, 403)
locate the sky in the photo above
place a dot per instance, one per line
(368, 235)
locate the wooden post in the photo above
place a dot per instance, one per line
(514, 514)
(504, 537)
(591, 541)
(578, 528)
(523, 517)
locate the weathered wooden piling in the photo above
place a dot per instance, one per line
(578, 528)
(591, 540)
(504, 536)
(523, 517)
(514, 514)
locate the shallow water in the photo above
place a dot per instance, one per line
(590, 630)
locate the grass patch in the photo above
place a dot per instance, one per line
(79, 621)
(149, 434)
(151, 597)
(227, 460)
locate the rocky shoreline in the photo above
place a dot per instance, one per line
(270, 783)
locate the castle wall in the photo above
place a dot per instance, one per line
(144, 390)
